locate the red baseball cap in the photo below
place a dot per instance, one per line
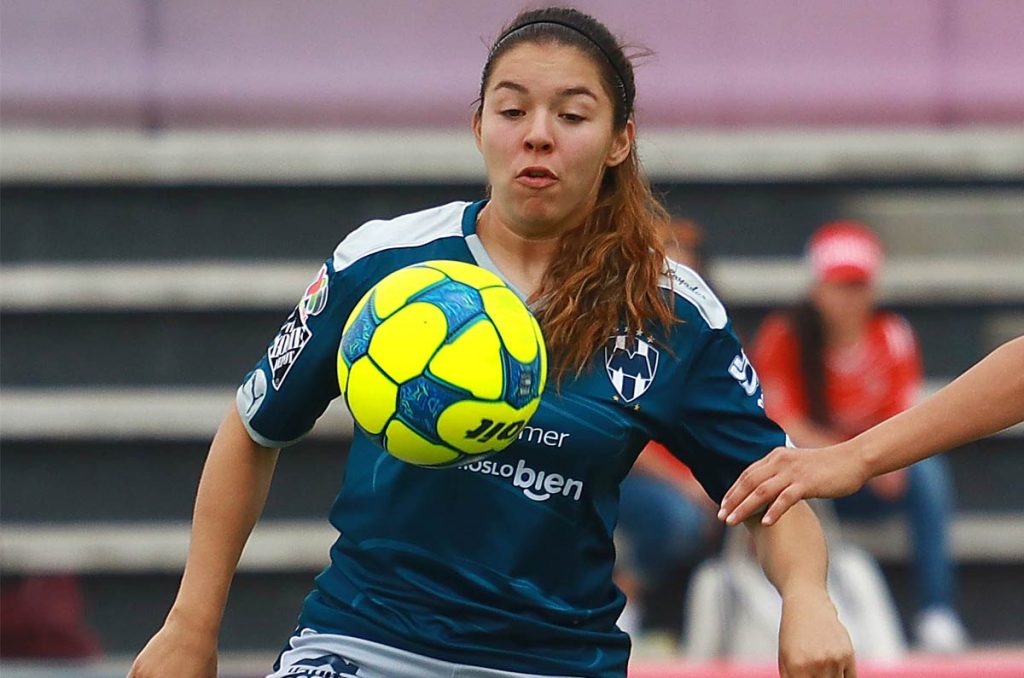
(844, 251)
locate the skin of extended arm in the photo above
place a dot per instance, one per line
(232, 492)
(792, 553)
(812, 641)
(984, 400)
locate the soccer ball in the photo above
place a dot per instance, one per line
(442, 364)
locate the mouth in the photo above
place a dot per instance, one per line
(536, 177)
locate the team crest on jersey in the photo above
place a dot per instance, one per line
(315, 298)
(287, 345)
(631, 365)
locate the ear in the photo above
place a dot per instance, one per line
(476, 130)
(622, 144)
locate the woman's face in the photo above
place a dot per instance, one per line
(545, 132)
(845, 307)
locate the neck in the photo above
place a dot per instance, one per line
(521, 258)
(845, 335)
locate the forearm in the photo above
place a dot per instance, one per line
(984, 400)
(805, 433)
(232, 493)
(792, 552)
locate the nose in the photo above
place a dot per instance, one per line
(538, 136)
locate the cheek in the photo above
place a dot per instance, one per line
(589, 157)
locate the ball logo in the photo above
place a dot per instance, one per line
(488, 428)
(631, 369)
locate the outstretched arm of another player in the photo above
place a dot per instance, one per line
(812, 641)
(984, 400)
(232, 492)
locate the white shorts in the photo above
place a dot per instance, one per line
(325, 655)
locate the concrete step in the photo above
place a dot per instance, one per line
(294, 545)
(268, 221)
(217, 347)
(191, 286)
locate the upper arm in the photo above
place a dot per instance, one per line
(296, 377)
(720, 426)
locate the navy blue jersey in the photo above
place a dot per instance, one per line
(507, 562)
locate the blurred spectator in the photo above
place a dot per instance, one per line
(666, 521)
(835, 366)
(42, 616)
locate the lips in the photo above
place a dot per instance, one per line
(536, 176)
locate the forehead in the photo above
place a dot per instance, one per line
(547, 65)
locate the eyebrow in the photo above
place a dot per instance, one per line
(567, 92)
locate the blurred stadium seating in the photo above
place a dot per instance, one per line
(174, 172)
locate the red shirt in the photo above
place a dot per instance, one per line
(867, 383)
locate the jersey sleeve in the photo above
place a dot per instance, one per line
(721, 426)
(775, 354)
(296, 377)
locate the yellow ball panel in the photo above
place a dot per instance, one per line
(475, 427)
(407, 445)
(473, 362)
(392, 292)
(513, 321)
(403, 344)
(474, 276)
(355, 311)
(371, 396)
(342, 374)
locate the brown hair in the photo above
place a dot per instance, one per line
(809, 328)
(605, 272)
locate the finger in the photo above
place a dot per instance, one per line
(760, 496)
(851, 668)
(785, 500)
(752, 476)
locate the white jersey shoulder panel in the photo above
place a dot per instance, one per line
(408, 230)
(685, 282)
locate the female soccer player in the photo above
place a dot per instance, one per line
(496, 574)
(984, 400)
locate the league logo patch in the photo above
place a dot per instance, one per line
(327, 666)
(287, 345)
(315, 298)
(253, 392)
(630, 369)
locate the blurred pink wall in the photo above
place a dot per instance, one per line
(189, 63)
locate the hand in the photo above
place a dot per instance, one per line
(812, 641)
(179, 651)
(787, 475)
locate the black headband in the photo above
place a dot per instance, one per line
(595, 43)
